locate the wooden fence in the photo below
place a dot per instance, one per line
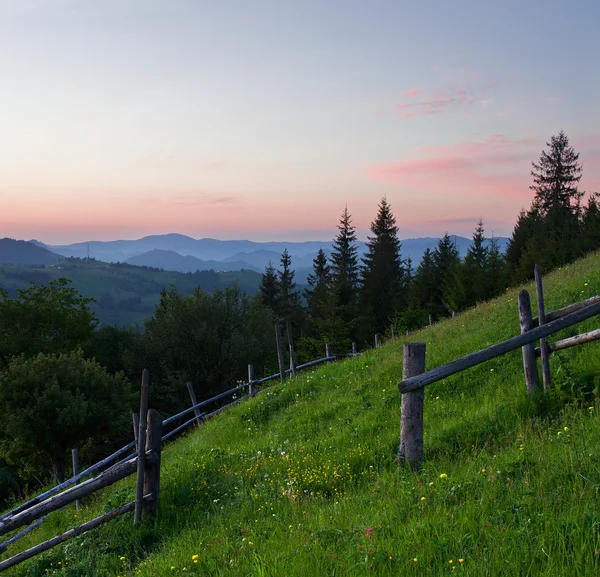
(414, 379)
(145, 462)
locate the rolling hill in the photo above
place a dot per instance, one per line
(18, 251)
(125, 294)
(302, 480)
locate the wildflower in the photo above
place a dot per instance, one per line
(443, 476)
(121, 558)
(194, 557)
(461, 560)
(590, 408)
(491, 370)
(422, 498)
(566, 428)
(415, 559)
(450, 561)
(431, 484)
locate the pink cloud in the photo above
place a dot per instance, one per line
(497, 167)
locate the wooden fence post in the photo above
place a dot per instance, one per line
(197, 412)
(288, 324)
(376, 341)
(251, 380)
(75, 457)
(354, 348)
(152, 471)
(544, 353)
(430, 319)
(328, 350)
(529, 366)
(411, 423)
(279, 350)
(141, 461)
(393, 333)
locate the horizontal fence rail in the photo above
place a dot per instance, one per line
(478, 357)
(72, 481)
(20, 557)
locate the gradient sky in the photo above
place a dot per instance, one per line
(263, 119)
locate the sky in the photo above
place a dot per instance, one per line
(264, 119)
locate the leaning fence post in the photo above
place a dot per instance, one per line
(279, 350)
(251, 380)
(197, 412)
(288, 324)
(411, 422)
(542, 320)
(529, 366)
(141, 461)
(376, 341)
(152, 471)
(75, 457)
(353, 348)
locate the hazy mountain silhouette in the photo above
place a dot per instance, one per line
(171, 260)
(22, 252)
(178, 252)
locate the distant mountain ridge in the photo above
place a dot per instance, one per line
(171, 260)
(22, 252)
(178, 252)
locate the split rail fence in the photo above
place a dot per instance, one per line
(144, 461)
(414, 379)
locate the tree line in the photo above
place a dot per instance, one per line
(66, 382)
(351, 298)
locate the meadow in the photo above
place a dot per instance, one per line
(302, 480)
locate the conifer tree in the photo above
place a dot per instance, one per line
(344, 281)
(590, 225)
(423, 290)
(496, 278)
(555, 179)
(269, 287)
(344, 256)
(474, 269)
(382, 294)
(548, 234)
(319, 282)
(446, 260)
(289, 298)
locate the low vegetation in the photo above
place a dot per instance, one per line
(302, 480)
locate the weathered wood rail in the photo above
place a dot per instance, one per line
(414, 380)
(478, 357)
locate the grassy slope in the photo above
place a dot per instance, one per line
(302, 481)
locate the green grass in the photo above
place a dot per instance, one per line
(302, 481)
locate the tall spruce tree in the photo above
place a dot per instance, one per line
(496, 277)
(269, 287)
(319, 282)
(423, 291)
(446, 260)
(344, 280)
(548, 233)
(289, 298)
(590, 225)
(474, 269)
(555, 179)
(382, 295)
